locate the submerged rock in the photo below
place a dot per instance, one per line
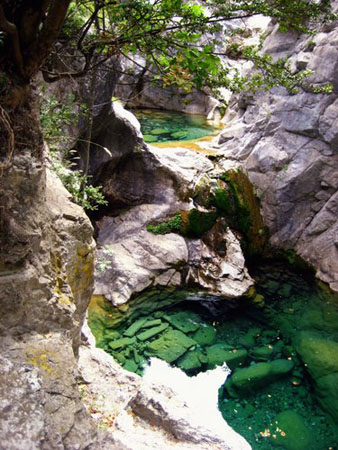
(320, 356)
(218, 354)
(245, 381)
(183, 321)
(192, 360)
(206, 335)
(170, 346)
(290, 432)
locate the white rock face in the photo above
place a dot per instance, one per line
(288, 145)
(164, 409)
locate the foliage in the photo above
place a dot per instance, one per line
(103, 262)
(170, 36)
(54, 118)
(172, 225)
(77, 184)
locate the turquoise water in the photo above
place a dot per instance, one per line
(292, 333)
(165, 126)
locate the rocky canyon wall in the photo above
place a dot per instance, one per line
(288, 143)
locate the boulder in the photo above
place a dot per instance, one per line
(320, 356)
(170, 346)
(287, 143)
(290, 432)
(218, 354)
(247, 380)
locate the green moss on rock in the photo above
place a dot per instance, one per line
(192, 360)
(235, 199)
(152, 332)
(170, 346)
(290, 432)
(196, 223)
(217, 355)
(247, 380)
(121, 343)
(206, 335)
(183, 321)
(135, 327)
(321, 358)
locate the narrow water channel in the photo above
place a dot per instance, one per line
(283, 353)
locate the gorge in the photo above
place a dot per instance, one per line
(217, 256)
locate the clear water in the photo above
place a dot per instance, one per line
(165, 126)
(282, 414)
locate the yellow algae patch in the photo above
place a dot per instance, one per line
(39, 359)
(195, 145)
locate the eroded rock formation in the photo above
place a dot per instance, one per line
(288, 145)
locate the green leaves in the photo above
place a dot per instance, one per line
(177, 38)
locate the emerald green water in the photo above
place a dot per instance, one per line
(283, 352)
(166, 126)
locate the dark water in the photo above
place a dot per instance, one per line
(166, 126)
(293, 325)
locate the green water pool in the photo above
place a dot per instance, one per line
(283, 353)
(165, 126)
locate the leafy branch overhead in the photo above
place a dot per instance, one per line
(167, 33)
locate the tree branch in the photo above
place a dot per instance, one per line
(12, 30)
(48, 35)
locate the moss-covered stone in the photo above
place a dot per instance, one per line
(217, 355)
(247, 380)
(206, 335)
(249, 339)
(121, 343)
(152, 332)
(195, 223)
(321, 358)
(130, 365)
(170, 346)
(262, 353)
(152, 323)
(135, 327)
(111, 335)
(183, 321)
(290, 432)
(179, 134)
(235, 199)
(191, 360)
(149, 138)
(157, 131)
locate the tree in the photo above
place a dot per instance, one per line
(34, 34)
